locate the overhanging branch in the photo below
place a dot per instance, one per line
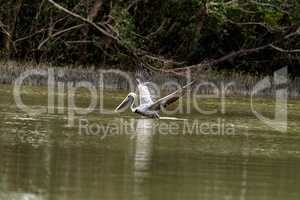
(104, 32)
(284, 50)
(242, 52)
(59, 33)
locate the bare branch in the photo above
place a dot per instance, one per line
(242, 52)
(29, 36)
(234, 4)
(88, 21)
(59, 33)
(264, 4)
(134, 3)
(261, 24)
(7, 34)
(160, 28)
(229, 56)
(297, 32)
(228, 3)
(80, 42)
(3, 29)
(284, 50)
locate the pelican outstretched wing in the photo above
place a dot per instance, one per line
(144, 93)
(167, 100)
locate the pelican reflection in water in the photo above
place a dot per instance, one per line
(143, 146)
(145, 130)
(148, 107)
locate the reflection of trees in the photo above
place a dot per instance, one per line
(23, 170)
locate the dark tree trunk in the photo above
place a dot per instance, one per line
(9, 16)
(98, 12)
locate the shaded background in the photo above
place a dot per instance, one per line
(159, 33)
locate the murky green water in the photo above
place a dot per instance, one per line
(42, 158)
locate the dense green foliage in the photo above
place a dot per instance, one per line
(185, 31)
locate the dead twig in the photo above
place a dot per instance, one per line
(87, 21)
(242, 52)
(29, 36)
(59, 33)
(284, 50)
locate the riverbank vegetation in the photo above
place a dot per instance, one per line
(170, 36)
(237, 83)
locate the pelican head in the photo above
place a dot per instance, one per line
(128, 101)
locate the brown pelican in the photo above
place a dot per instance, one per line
(147, 106)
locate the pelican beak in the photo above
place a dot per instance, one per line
(125, 103)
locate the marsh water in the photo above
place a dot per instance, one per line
(125, 156)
